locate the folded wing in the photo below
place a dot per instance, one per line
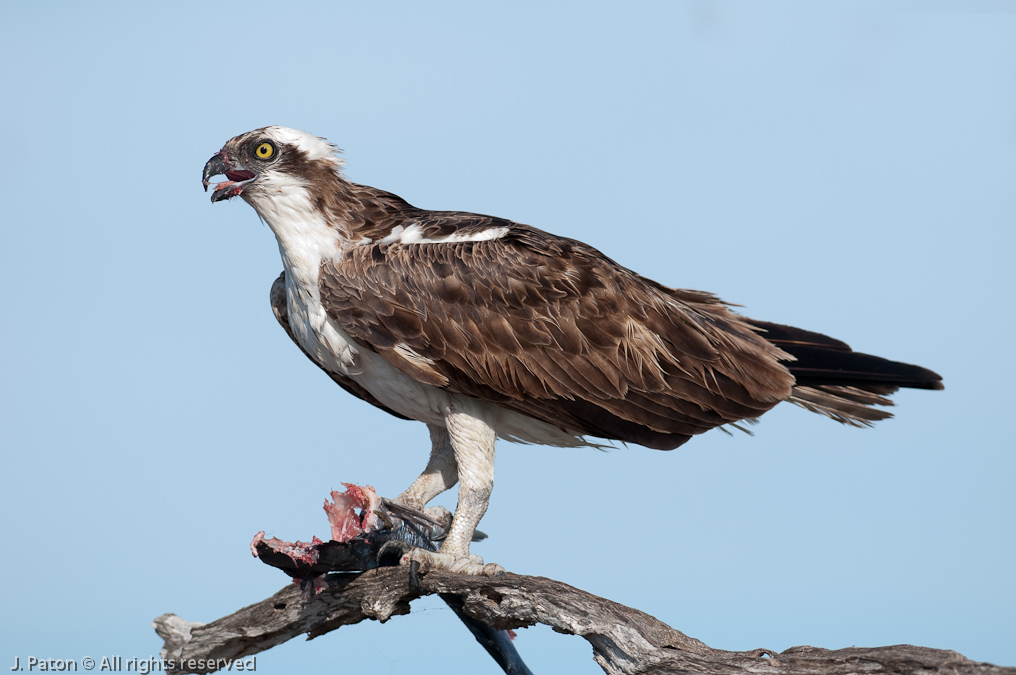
(552, 328)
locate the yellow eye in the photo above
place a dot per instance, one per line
(265, 150)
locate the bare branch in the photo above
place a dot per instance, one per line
(624, 640)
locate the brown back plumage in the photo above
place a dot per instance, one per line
(552, 328)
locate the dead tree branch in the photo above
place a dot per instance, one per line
(624, 640)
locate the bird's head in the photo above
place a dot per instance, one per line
(265, 162)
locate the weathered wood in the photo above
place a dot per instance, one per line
(624, 640)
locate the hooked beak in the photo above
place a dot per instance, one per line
(222, 163)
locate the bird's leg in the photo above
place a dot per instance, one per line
(470, 429)
(440, 475)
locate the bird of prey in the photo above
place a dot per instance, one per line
(483, 328)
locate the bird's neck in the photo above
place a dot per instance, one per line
(316, 223)
(305, 233)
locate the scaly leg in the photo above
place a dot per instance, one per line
(470, 428)
(440, 474)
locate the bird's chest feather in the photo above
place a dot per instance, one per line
(335, 351)
(325, 341)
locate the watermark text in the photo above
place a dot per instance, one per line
(121, 664)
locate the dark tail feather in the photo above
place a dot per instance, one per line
(842, 384)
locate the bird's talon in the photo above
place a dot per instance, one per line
(384, 517)
(471, 565)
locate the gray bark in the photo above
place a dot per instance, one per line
(624, 640)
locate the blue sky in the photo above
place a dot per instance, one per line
(847, 169)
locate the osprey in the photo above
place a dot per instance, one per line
(482, 328)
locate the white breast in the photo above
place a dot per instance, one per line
(332, 349)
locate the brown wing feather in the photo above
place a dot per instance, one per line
(280, 307)
(552, 328)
